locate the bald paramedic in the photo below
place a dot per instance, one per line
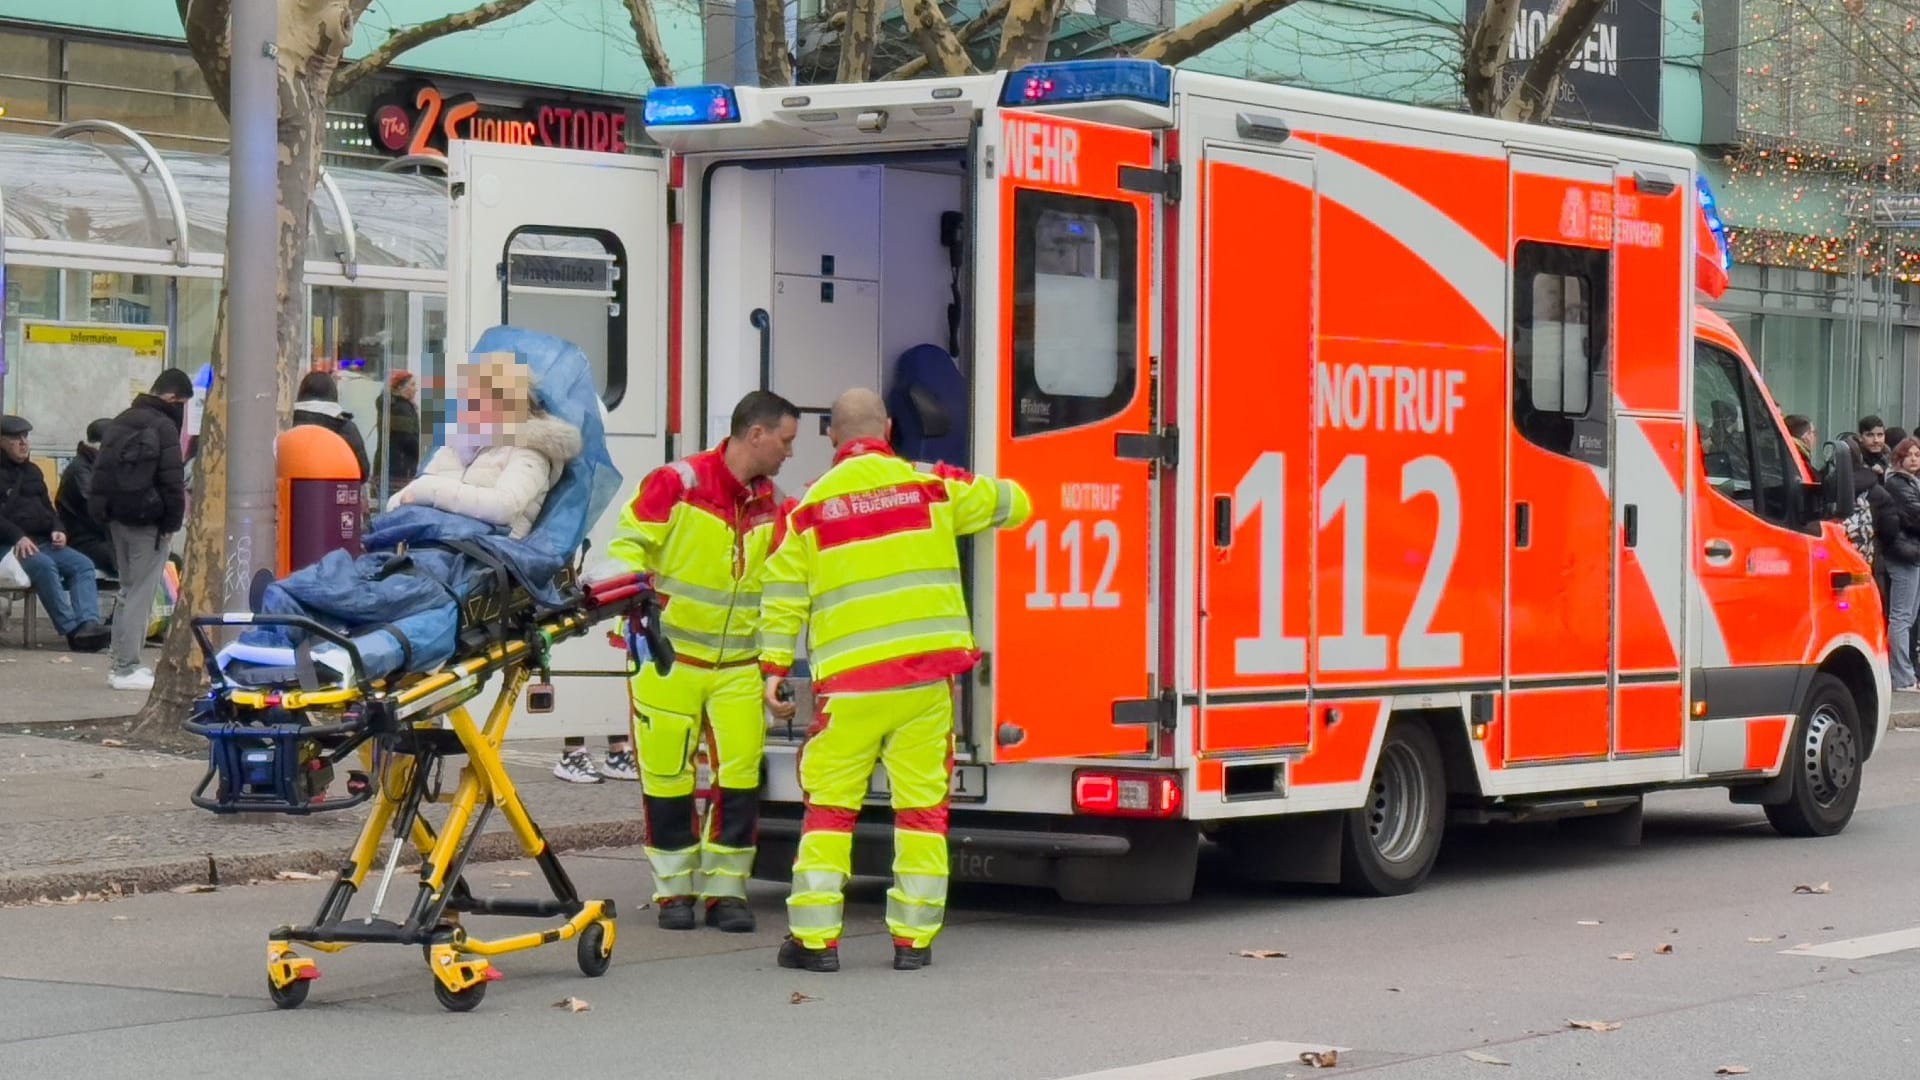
(703, 527)
(869, 568)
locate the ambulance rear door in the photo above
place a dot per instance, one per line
(574, 244)
(1067, 215)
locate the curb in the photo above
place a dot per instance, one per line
(116, 881)
(1906, 721)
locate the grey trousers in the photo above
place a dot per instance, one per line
(140, 552)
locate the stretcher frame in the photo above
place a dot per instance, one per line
(404, 728)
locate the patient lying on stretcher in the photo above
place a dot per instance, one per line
(500, 509)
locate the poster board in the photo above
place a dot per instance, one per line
(66, 375)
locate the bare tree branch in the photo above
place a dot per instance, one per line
(399, 41)
(967, 32)
(857, 41)
(935, 36)
(1024, 33)
(1486, 52)
(1203, 32)
(771, 52)
(646, 32)
(1532, 100)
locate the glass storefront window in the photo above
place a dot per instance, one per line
(31, 293)
(157, 91)
(199, 308)
(1796, 355)
(102, 297)
(29, 88)
(361, 335)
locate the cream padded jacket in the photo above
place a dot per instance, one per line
(504, 485)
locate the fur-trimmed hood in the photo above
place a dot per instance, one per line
(551, 437)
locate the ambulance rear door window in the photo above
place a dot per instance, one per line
(1075, 310)
(1561, 312)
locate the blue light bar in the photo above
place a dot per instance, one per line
(1088, 80)
(669, 106)
(1714, 225)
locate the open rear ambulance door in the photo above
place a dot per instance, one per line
(1065, 232)
(574, 244)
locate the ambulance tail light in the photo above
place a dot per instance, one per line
(1126, 794)
(669, 106)
(1088, 80)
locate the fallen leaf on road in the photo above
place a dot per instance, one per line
(1855, 971)
(300, 875)
(1485, 1059)
(119, 918)
(1263, 954)
(503, 884)
(111, 742)
(799, 998)
(1321, 1059)
(1393, 989)
(1732, 1070)
(1595, 1025)
(202, 887)
(1590, 922)
(518, 873)
(1758, 940)
(1621, 956)
(572, 1004)
(1820, 889)
(1664, 949)
(61, 660)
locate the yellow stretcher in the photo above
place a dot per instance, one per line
(273, 751)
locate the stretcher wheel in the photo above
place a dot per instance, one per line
(290, 996)
(595, 957)
(459, 1000)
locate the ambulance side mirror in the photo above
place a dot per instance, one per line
(934, 422)
(1833, 494)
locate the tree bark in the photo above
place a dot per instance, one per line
(936, 38)
(646, 33)
(1486, 53)
(402, 39)
(1532, 101)
(1203, 32)
(771, 54)
(857, 40)
(967, 32)
(1024, 33)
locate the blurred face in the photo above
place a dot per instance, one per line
(769, 448)
(15, 447)
(1874, 440)
(1910, 461)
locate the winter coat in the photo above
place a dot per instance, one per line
(1896, 519)
(502, 485)
(25, 508)
(71, 502)
(329, 415)
(400, 449)
(165, 504)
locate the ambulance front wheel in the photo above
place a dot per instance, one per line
(1388, 845)
(1825, 760)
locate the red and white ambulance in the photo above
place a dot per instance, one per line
(1384, 468)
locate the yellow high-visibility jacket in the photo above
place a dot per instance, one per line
(869, 566)
(705, 538)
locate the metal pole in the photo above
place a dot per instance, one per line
(253, 355)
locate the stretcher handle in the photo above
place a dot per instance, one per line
(249, 618)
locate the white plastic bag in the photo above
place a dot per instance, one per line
(12, 575)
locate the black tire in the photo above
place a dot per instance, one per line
(593, 953)
(459, 1000)
(1387, 847)
(290, 996)
(1825, 757)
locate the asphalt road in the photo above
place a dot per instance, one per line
(1516, 934)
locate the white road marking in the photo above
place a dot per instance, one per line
(1862, 947)
(1212, 1062)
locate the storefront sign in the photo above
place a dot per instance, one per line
(1612, 80)
(144, 344)
(420, 119)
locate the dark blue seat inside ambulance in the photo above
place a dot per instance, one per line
(928, 404)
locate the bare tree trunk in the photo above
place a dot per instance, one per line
(1486, 52)
(771, 53)
(401, 39)
(646, 32)
(1203, 32)
(1532, 101)
(990, 17)
(935, 37)
(1024, 33)
(857, 40)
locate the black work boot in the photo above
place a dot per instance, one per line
(676, 913)
(910, 957)
(798, 956)
(731, 915)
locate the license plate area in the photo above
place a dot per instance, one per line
(968, 784)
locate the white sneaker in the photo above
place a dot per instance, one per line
(141, 679)
(620, 765)
(575, 766)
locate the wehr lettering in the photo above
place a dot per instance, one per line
(1043, 152)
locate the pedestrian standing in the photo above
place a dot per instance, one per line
(139, 490)
(1901, 550)
(869, 568)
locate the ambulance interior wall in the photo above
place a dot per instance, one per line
(847, 262)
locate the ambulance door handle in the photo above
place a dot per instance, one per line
(1222, 520)
(1633, 525)
(1719, 551)
(1522, 523)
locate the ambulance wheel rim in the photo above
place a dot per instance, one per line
(1830, 756)
(1397, 810)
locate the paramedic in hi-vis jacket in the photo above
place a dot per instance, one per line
(869, 568)
(703, 527)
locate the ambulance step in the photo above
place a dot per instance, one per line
(1515, 811)
(962, 837)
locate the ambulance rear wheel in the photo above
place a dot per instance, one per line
(1389, 844)
(1825, 760)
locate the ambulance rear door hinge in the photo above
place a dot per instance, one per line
(1162, 712)
(1162, 446)
(1164, 181)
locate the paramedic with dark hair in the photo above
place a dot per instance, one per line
(703, 526)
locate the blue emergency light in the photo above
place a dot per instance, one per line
(1088, 80)
(669, 106)
(1714, 225)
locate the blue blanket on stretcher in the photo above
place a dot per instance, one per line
(410, 619)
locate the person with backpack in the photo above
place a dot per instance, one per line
(139, 490)
(318, 403)
(1897, 534)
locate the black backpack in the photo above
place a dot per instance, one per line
(132, 496)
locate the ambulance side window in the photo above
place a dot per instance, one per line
(1075, 275)
(1561, 314)
(1742, 448)
(571, 283)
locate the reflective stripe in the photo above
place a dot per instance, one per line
(785, 590)
(685, 469)
(713, 885)
(803, 916)
(915, 917)
(926, 888)
(905, 579)
(716, 642)
(778, 642)
(733, 861)
(827, 652)
(1002, 503)
(830, 882)
(706, 594)
(673, 871)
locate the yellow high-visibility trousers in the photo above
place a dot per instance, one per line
(910, 731)
(672, 714)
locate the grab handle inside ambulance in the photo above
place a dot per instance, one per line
(1632, 525)
(763, 322)
(1222, 520)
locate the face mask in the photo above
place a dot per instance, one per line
(469, 439)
